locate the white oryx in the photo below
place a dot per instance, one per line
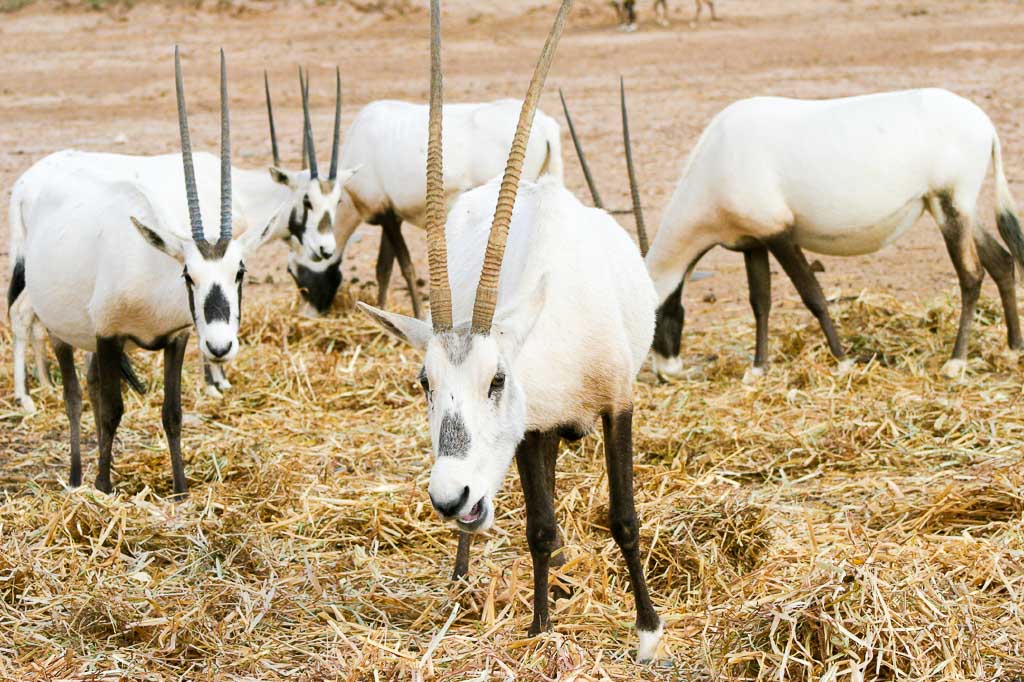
(385, 143)
(515, 363)
(842, 177)
(300, 206)
(108, 264)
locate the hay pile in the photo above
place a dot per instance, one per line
(812, 527)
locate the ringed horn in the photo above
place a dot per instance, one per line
(437, 249)
(192, 196)
(308, 151)
(487, 289)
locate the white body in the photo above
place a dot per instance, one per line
(848, 176)
(387, 142)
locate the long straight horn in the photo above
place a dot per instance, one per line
(303, 90)
(437, 248)
(487, 290)
(191, 195)
(225, 155)
(270, 118)
(308, 134)
(634, 190)
(337, 125)
(579, 153)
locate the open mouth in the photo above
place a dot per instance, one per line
(474, 518)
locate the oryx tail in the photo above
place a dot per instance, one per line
(1006, 208)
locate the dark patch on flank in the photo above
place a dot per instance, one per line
(216, 307)
(318, 288)
(453, 440)
(17, 284)
(573, 432)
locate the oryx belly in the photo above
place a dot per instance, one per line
(839, 234)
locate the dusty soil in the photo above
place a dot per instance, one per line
(103, 81)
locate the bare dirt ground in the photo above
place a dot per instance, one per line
(809, 527)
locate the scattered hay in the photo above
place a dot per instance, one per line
(812, 526)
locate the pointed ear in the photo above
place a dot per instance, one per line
(160, 239)
(513, 323)
(345, 174)
(414, 332)
(282, 177)
(254, 238)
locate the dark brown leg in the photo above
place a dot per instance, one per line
(557, 556)
(385, 265)
(541, 529)
(795, 264)
(622, 519)
(999, 263)
(711, 4)
(73, 406)
(174, 357)
(92, 382)
(957, 232)
(108, 362)
(759, 282)
(393, 227)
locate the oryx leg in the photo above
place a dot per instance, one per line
(625, 527)
(958, 232)
(22, 318)
(174, 357)
(39, 337)
(711, 6)
(661, 12)
(998, 262)
(393, 227)
(108, 365)
(795, 264)
(216, 381)
(72, 405)
(541, 529)
(385, 265)
(759, 282)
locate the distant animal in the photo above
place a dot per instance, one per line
(107, 264)
(539, 331)
(385, 144)
(841, 177)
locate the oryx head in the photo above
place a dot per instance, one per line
(213, 272)
(314, 200)
(475, 403)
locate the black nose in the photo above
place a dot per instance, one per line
(219, 351)
(450, 509)
(325, 253)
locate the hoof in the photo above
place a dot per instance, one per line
(28, 406)
(844, 366)
(213, 392)
(954, 369)
(224, 385)
(753, 375)
(649, 642)
(667, 368)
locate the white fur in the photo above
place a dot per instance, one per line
(387, 144)
(848, 176)
(574, 321)
(649, 641)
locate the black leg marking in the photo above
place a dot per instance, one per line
(795, 264)
(92, 382)
(108, 359)
(462, 556)
(759, 282)
(174, 357)
(998, 262)
(668, 329)
(385, 265)
(73, 405)
(393, 227)
(957, 233)
(622, 519)
(541, 529)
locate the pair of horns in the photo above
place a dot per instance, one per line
(192, 195)
(308, 151)
(487, 289)
(634, 189)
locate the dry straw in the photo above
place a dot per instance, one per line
(813, 527)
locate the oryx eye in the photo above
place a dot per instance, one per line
(187, 278)
(306, 203)
(497, 385)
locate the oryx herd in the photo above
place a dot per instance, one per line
(542, 309)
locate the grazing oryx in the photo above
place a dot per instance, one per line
(100, 284)
(841, 177)
(514, 364)
(300, 206)
(385, 142)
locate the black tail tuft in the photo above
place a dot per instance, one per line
(17, 282)
(129, 375)
(1009, 230)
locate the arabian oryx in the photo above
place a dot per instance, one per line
(842, 177)
(108, 265)
(540, 329)
(299, 205)
(385, 144)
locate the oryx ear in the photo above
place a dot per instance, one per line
(282, 177)
(160, 239)
(513, 323)
(414, 332)
(345, 174)
(253, 238)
